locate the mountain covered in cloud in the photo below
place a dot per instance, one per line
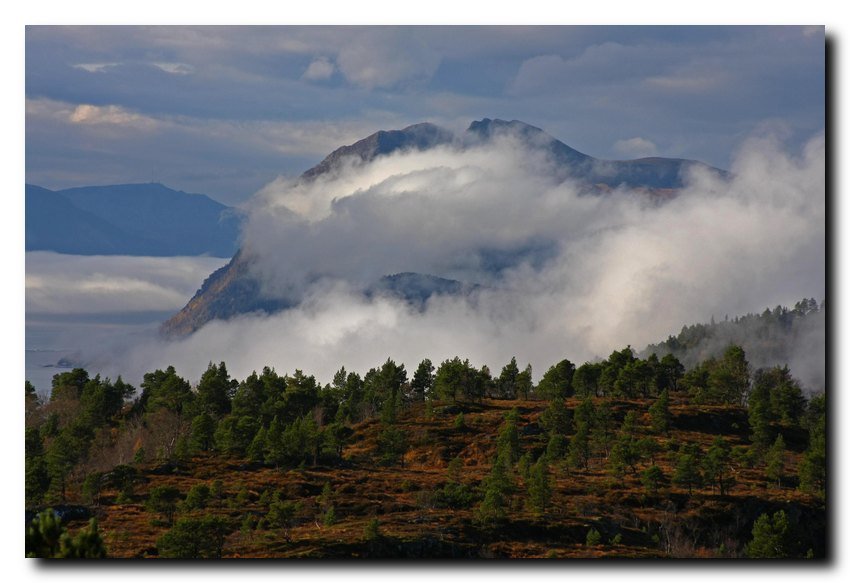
(241, 287)
(129, 219)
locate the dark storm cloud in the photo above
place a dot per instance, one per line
(215, 92)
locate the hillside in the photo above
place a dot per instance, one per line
(280, 467)
(780, 336)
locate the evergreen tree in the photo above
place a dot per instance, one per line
(215, 390)
(275, 452)
(163, 500)
(786, 396)
(716, 465)
(648, 448)
(729, 379)
(593, 538)
(257, 450)
(771, 537)
(506, 384)
(422, 381)
(194, 538)
(671, 372)
(167, 390)
(498, 487)
(250, 397)
(556, 448)
(586, 380)
(579, 451)
(652, 478)
(47, 538)
(812, 468)
(203, 432)
(659, 413)
(603, 432)
(392, 445)
(524, 385)
(687, 471)
(557, 382)
(556, 418)
(775, 460)
(539, 487)
(759, 412)
(507, 442)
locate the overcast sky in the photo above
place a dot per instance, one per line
(225, 110)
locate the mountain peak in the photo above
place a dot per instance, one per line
(420, 136)
(487, 127)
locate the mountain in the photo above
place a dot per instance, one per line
(416, 137)
(54, 223)
(647, 173)
(129, 219)
(232, 291)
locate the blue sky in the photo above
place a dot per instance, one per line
(224, 110)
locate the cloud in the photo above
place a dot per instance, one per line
(636, 147)
(71, 284)
(690, 82)
(319, 69)
(175, 68)
(585, 85)
(619, 270)
(109, 115)
(386, 58)
(95, 67)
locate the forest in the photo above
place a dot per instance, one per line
(625, 457)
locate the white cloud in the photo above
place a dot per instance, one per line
(636, 147)
(95, 67)
(114, 115)
(74, 284)
(320, 69)
(386, 58)
(175, 68)
(624, 271)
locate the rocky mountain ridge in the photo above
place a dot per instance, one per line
(232, 290)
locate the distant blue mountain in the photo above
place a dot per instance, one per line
(129, 219)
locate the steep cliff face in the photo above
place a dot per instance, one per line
(233, 290)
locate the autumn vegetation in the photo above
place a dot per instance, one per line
(625, 457)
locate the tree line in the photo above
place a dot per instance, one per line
(91, 432)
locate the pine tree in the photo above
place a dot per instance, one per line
(47, 538)
(687, 471)
(163, 500)
(507, 442)
(770, 537)
(203, 432)
(652, 477)
(579, 452)
(257, 449)
(539, 487)
(556, 418)
(716, 464)
(423, 379)
(775, 461)
(557, 383)
(498, 487)
(194, 538)
(659, 413)
(812, 468)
